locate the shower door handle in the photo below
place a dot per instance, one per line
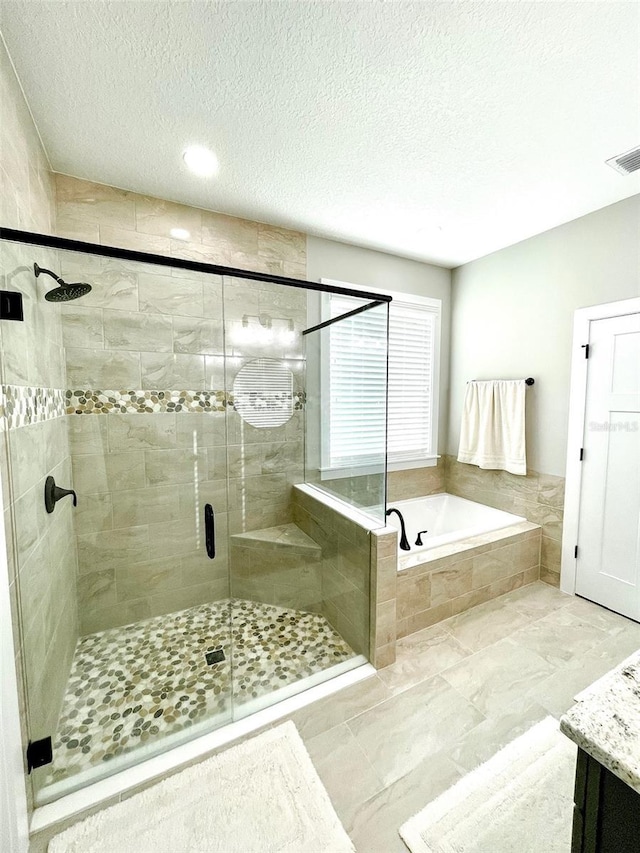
(209, 531)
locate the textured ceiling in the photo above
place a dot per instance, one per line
(441, 131)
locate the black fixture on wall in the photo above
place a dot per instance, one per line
(11, 305)
(528, 381)
(419, 539)
(66, 291)
(209, 531)
(404, 542)
(53, 493)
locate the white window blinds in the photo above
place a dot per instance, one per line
(355, 383)
(357, 367)
(411, 356)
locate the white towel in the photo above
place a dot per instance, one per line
(492, 429)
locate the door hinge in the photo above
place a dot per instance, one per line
(575, 552)
(586, 348)
(581, 453)
(39, 753)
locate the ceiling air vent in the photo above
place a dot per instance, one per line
(626, 163)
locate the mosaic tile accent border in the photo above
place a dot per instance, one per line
(94, 402)
(89, 402)
(21, 405)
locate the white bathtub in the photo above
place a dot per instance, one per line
(447, 519)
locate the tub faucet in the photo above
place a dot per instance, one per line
(404, 542)
(419, 541)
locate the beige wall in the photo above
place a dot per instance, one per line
(512, 316)
(42, 555)
(143, 478)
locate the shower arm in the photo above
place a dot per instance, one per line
(39, 270)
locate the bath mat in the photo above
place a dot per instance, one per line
(262, 796)
(520, 800)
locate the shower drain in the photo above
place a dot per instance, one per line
(216, 656)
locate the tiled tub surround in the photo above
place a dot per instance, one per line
(537, 497)
(452, 578)
(415, 482)
(135, 685)
(364, 491)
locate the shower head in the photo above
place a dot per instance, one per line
(64, 292)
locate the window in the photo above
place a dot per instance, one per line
(412, 427)
(354, 378)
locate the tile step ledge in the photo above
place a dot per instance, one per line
(282, 537)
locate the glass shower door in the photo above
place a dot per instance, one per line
(271, 572)
(192, 580)
(300, 585)
(125, 617)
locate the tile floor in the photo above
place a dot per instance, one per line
(458, 693)
(133, 685)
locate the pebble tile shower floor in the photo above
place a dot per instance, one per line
(141, 682)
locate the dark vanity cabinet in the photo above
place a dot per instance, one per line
(606, 812)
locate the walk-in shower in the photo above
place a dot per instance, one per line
(181, 404)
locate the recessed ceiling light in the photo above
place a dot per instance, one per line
(180, 233)
(200, 160)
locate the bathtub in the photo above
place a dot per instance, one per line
(471, 554)
(447, 519)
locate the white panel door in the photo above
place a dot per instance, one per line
(608, 562)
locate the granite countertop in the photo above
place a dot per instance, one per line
(605, 721)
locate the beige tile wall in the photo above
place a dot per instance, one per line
(483, 568)
(145, 478)
(537, 497)
(280, 566)
(112, 217)
(27, 200)
(346, 568)
(415, 482)
(42, 554)
(384, 575)
(366, 490)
